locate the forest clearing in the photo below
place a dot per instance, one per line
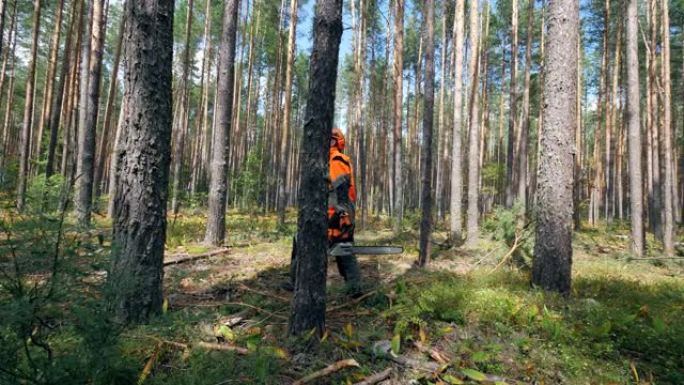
(341, 192)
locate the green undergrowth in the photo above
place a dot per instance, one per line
(622, 324)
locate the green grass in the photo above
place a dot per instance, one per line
(622, 316)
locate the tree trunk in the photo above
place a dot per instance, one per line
(140, 208)
(308, 302)
(456, 225)
(216, 221)
(666, 137)
(474, 131)
(25, 146)
(398, 72)
(428, 112)
(48, 90)
(553, 247)
(10, 55)
(513, 100)
(114, 162)
(85, 165)
(56, 109)
(524, 130)
(109, 109)
(632, 116)
(182, 127)
(284, 144)
(577, 174)
(441, 126)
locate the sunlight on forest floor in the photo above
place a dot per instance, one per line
(462, 320)
(624, 318)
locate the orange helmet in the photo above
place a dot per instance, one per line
(338, 137)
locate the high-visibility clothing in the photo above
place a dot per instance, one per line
(341, 197)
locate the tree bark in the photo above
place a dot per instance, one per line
(56, 109)
(140, 208)
(397, 158)
(284, 144)
(474, 131)
(109, 109)
(216, 222)
(524, 130)
(27, 126)
(48, 90)
(513, 100)
(85, 165)
(308, 302)
(553, 247)
(427, 145)
(633, 125)
(456, 225)
(666, 137)
(182, 126)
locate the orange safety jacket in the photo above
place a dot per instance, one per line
(341, 198)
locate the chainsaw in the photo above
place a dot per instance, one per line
(343, 249)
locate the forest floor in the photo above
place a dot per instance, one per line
(465, 319)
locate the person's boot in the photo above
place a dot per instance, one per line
(349, 269)
(289, 285)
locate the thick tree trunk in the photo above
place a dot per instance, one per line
(427, 145)
(553, 247)
(397, 158)
(216, 221)
(25, 146)
(140, 209)
(456, 215)
(308, 302)
(474, 131)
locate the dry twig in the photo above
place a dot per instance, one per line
(375, 378)
(332, 368)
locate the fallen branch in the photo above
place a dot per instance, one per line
(354, 302)
(516, 244)
(374, 379)
(223, 347)
(150, 364)
(182, 346)
(185, 257)
(337, 366)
